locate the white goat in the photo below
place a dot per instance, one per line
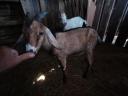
(72, 23)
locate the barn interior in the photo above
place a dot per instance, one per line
(42, 76)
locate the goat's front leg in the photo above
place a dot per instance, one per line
(63, 61)
(90, 58)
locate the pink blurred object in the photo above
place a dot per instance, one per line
(9, 57)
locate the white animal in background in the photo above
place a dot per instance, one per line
(72, 23)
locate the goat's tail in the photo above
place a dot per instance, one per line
(98, 37)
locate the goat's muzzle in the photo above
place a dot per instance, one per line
(30, 48)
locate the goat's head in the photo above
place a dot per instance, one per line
(33, 36)
(37, 34)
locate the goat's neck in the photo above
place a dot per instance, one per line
(46, 44)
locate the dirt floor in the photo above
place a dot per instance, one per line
(110, 76)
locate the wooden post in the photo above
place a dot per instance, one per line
(91, 11)
(125, 43)
(108, 21)
(101, 12)
(42, 5)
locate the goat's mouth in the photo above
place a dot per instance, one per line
(30, 48)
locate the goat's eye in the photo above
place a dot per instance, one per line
(41, 33)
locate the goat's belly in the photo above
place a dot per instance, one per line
(71, 43)
(74, 49)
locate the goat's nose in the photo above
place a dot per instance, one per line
(32, 51)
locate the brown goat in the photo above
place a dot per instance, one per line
(81, 39)
(64, 43)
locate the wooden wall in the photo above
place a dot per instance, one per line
(72, 8)
(11, 17)
(111, 21)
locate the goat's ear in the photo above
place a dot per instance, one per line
(52, 39)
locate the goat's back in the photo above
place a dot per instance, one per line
(77, 40)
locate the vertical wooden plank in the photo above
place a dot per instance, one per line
(123, 32)
(105, 14)
(53, 16)
(91, 11)
(125, 43)
(97, 18)
(27, 7)
(75, 7)
(30, 7)
(124, 12)
(42, 5)
(35, 4)
(85, 4)
(78, 7)
(108, 21)
(70, 14)
(81, 8)
(100, 14)
(115, 21)
(71, 8)
(65, 5)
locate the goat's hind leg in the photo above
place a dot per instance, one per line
(90, 61)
